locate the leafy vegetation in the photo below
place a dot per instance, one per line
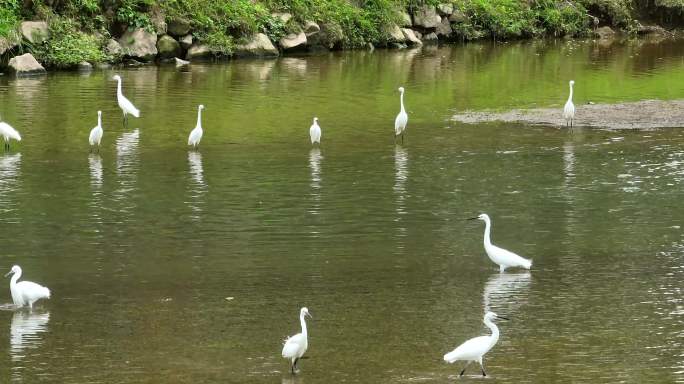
(68, 45)
(9, 16)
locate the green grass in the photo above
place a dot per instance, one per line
(68, 45)
(9, 16)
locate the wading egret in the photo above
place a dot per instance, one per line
(474, 349)
(315, 132)
(296, 345)
(504, 258)
(402, 118)
(8, 133)
(569, 109)
(125, 104)
(96, 133)
(25, 292)
(196, 134)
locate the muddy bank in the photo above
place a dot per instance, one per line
(648, 114)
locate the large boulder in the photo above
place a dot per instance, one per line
(430, 38)
(8, 42)
(411, 38)
(458, 17)
(178, 27)
(158, 20)
(113, 48)
(445, 9)
(283, 16)
(426, 17)
(395, 34)
(35, 32)
(168, 47)
(329, 37)
(311, 28)
(293, 41)
(258, 46)
(139, 44)
(199, 51)
(25, 64)
(444, 28)
(185, 41)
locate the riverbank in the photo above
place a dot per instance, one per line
(647, 114)
(70, 34)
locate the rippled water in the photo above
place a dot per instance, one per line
(169, 265)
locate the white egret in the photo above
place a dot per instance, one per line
(315, 132)
(569, 109)
(402, 118)
(504, 258)
(296, 345)
(96, 133)
(125, 104)
(25, 292)
(475, 348)
(7, 132)
(196, 134)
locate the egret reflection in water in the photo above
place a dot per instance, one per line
(506, 292)
(401, 173)
(199, 187)
(9, 179)
(95, 165)
(26, 330)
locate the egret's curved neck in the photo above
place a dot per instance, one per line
(495, 331)
(118, 87)
(15, 277)
(301, 320)
(488, 227)
(99, 121)
(570, 96)
(401, 98)
(199, 117)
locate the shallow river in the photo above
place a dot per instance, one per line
(175, 266)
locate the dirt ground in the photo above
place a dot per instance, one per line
(648, 114)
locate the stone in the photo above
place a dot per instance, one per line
(7, 43)
(293, 41)
(310, 28)
(445, 9)
(411, 38)
(158, 20)
(25, 64)
(198, 51)
(430, 38)
(113, 48)
(605, 32)
(178, 27)
(398, 45)
(181, 62)
(458, 17)
(185, 41)
(85, 66)
(103, 66)
(283, 16)
(405, 19)
(139, 44)
(168, 47)
(418, 35)
(35, 32)
(650, 30)
(395, 34)
(259, 46)
(426, 17)
(329, 37)
(444, 28)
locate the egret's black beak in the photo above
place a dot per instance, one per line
(502, 318)
(472, 218)
(8, 273)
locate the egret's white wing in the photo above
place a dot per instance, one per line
(7, 131)
(293, 345)
(508, 258)
(32, 291)
(195, 136)
(400, 122)
(315, 133)
(128, 107)
(472, 349)
(95, 136)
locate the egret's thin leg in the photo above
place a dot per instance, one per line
(484, 374)
(402, 138)
(464, 368)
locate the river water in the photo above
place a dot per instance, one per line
(175, 266)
